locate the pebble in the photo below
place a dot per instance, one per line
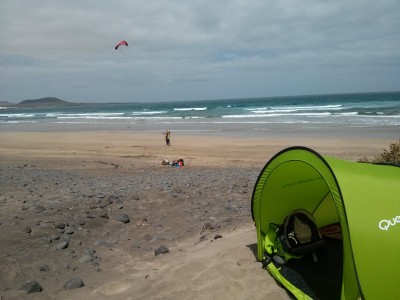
(62, 245)
(69, 230)
(56, 236)
(44, 268)
(59, 225)
(81, 222)
(90, 216)
(45, 239)
(106, 203)
(66, 198)
(210, 226)
(32, 286)
(73, 283)
(124, 218)
(217, 236)
(86, 258)
(161, 250)
(104, 215)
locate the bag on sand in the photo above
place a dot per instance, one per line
(299, 233)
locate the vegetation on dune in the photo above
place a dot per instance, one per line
(391, 156)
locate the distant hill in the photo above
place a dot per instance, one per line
(6, 103)
(48, 101)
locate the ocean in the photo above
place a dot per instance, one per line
(367, 109)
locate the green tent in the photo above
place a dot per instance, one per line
(363, 199)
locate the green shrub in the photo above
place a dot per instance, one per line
(391, 156)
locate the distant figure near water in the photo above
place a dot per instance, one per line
(167, 134)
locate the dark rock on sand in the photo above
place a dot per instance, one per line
(87, 257)
(59, 225)
(217, 236)
(69, 230)
(62, 245)
(73, 283)
(124, 218)
(90, 216)
(161, 250)
(81, 222)
(103, 214)
(69, 196)
(210, 226)
(31, 287)
(44, 268)
(27, 229)
(105, 203)
(56, 236)
(46, 240)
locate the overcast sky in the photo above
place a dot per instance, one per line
(196, 49)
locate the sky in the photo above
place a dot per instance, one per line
(196, 50)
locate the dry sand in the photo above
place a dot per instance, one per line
(64, 195)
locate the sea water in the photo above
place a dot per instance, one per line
(367, 109)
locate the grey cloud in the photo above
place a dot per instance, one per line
(196, 49)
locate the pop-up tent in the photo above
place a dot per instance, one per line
(363, 199)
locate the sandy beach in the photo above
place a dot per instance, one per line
(99, 205)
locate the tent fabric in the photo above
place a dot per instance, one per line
(363, 198)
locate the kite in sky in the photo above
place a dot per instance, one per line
(121, 43)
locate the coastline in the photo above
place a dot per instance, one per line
(72, 183)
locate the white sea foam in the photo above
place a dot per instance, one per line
(157, 118)
(21, 115)
(191, 108)
(346, 114)
(265, 115)
(93, 117)
(157, 112)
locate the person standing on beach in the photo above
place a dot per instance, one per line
(167, 134)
